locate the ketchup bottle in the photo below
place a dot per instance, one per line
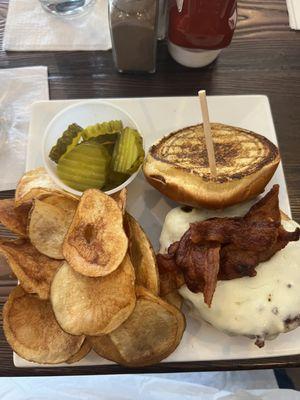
(200, 29)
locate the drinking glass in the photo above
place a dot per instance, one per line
(67, 7)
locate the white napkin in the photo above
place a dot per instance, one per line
(20, 87)
(30, 28)
(294, 13)
(133, 387)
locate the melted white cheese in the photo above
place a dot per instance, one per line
(258, 306)
(178, 221)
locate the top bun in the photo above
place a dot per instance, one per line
(177, 166)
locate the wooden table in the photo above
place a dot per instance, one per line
(264, 58)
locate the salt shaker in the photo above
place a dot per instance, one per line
(133, 27)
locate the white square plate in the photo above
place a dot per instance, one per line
(157, 117)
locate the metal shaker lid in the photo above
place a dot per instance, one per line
(133, 6)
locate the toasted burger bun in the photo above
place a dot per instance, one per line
(259, 307)
(177, 166)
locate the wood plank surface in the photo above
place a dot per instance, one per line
(264, 58)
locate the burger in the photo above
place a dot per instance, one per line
(235, 259)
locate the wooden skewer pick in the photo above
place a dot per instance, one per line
(207, 133)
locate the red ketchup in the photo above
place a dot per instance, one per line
(200, 29)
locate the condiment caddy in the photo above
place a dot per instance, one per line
(197, 31)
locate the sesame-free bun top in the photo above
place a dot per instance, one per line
(177, 166)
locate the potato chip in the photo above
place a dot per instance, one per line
(83, 351)
(34, 270)
(14, 218)
(142, 255)
(174, 298)
(37, 184)
(121, 198)
(93, 306)
(150, 334)
(31, 329)
(63, 202)
(50, 220)
(96, 243)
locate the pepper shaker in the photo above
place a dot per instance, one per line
(133, 27)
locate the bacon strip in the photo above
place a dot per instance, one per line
(199, 265)
(228, 248)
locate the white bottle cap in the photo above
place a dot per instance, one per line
(193, 58)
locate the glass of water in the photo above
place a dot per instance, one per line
(67, 7)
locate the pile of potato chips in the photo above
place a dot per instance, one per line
(87, 276)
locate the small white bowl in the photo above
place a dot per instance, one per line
(84, 113)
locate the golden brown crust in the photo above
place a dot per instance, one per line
(96, 243)
(34, 270)
(186, 149)
(142, 255)
(189, 186)
(93, 306)
(150, 334)
(32, 331)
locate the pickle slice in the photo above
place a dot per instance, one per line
(128, 153)
(108, 140)
(115, 179)
(103, 128)
(85, 167)
(66, 142)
